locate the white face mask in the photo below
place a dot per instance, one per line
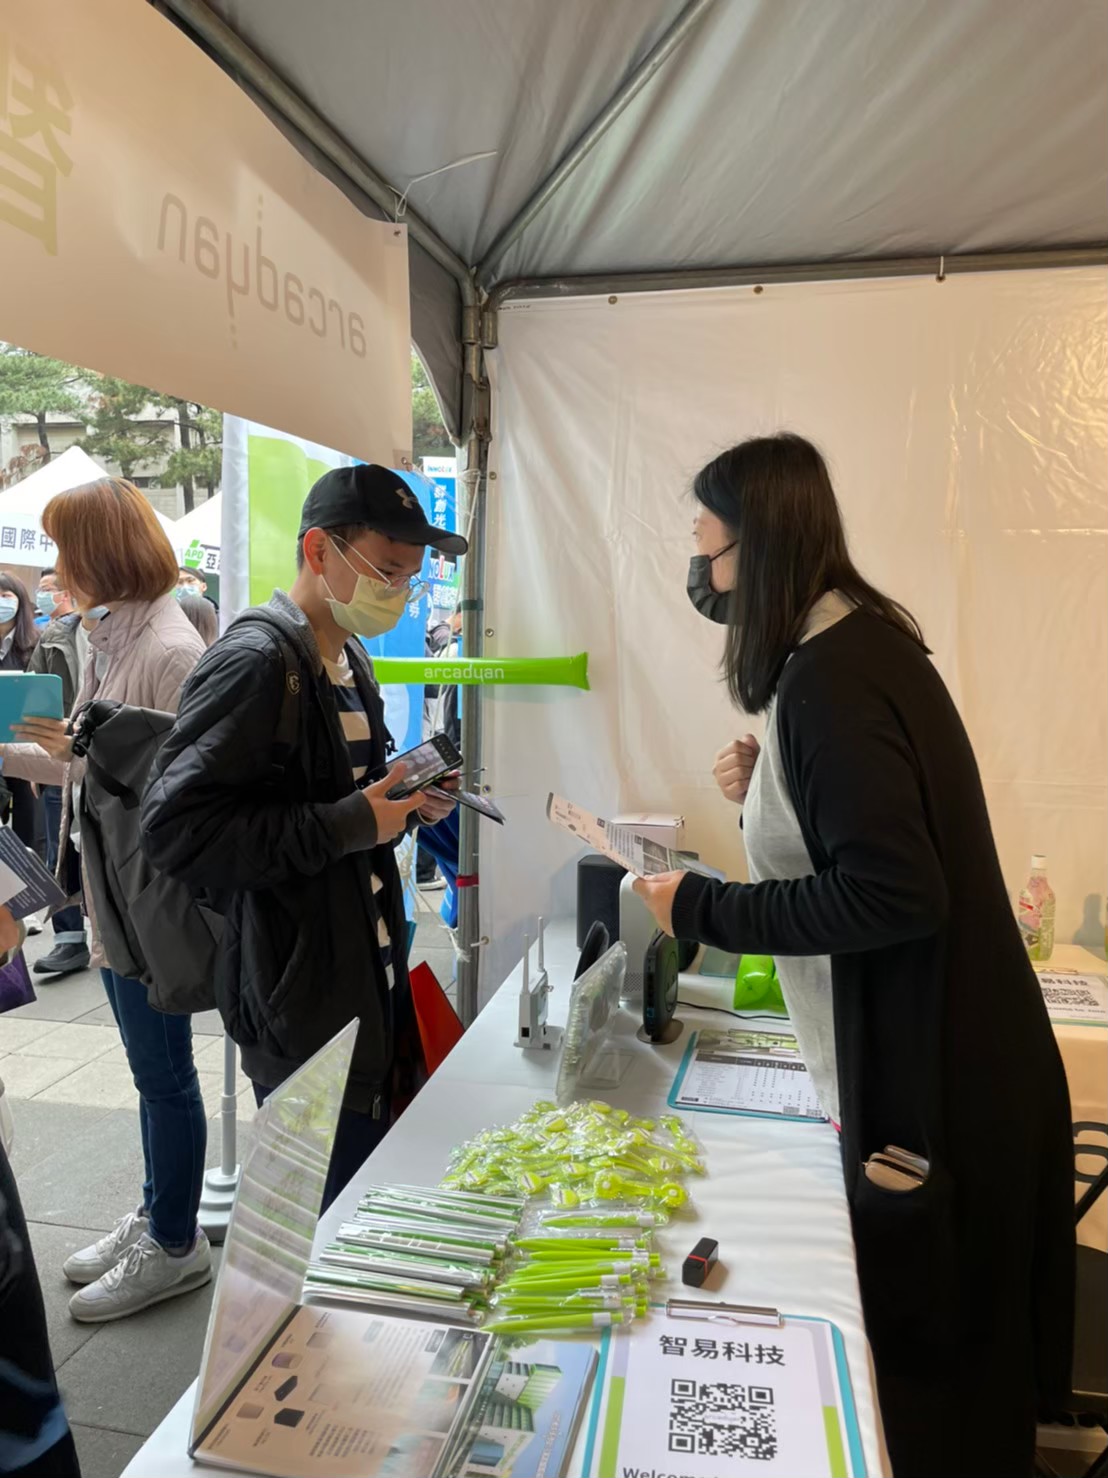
(9, 606)
(375, 606)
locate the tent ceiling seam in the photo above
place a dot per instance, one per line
(742, 275)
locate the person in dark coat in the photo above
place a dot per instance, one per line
(877, 888)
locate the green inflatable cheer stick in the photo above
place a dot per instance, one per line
(757, 984)
(557, 672)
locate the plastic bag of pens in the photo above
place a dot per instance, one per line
(585, 1154)
(419, 1250)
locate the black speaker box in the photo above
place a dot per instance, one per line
(598, 881)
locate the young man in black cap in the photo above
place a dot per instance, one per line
(264, 796)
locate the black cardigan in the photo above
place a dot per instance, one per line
(942, 1040)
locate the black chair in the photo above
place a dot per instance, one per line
(1087, 1405)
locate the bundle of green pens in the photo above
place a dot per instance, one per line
(578, 1271)
(418, 1250)
(585, 1154)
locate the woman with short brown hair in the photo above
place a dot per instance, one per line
(116, 561)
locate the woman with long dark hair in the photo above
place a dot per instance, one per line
(18, 637)
(877, 889)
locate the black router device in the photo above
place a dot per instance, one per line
(661, 969)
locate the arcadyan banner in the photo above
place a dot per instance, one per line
(156, 226)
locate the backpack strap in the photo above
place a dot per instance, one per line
(286, 736)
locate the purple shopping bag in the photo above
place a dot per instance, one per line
(15, 983)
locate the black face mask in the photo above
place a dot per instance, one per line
(710, 603)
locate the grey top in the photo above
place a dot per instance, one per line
(775, 849)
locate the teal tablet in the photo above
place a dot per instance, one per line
(26, 695)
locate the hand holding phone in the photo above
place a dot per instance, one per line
(392, 815)
(431, 761)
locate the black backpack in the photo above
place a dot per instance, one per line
(153, 927)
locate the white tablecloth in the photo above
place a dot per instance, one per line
(1084, 1051)
(773, 1196)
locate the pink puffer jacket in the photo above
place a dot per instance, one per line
(149, 648)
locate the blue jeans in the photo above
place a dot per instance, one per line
(171, 1111)
(68, 923)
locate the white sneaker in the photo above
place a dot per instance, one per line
(147, 1275)
(93, 1262)
(33, 924)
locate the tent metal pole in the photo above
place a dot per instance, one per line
(242, 59)
(677, 280)
(628, 91)
(478, 328)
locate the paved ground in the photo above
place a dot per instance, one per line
(78, 1163)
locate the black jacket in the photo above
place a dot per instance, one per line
(56, 652)
(285, 847)
(943, 1044)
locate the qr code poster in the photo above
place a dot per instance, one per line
(1079, 1000)
(688, 1399)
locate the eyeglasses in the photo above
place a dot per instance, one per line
(416, 585)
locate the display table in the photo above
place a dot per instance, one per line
(1084, 1052)
(773, 1196)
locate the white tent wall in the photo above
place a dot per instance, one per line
(965, 425)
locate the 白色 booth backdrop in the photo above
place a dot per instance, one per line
(966, 423)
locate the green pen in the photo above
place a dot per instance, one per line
(555, 1245)
(570, 1285)
(609, 1262)
(543, 1322)
(604, 1219)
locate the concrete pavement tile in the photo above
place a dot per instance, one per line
(91, 1179)
(16, 1033)
(69, 998)
(97, 1084)
(51, 1246)
(73, 1040)
(41, 1129)
(163, 1343)
(207, 1024)
(26, 1077)
(102, 1452)
(100, 1015)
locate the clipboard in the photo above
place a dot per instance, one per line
(705, 1101)
(26, 695)
(777, 1382)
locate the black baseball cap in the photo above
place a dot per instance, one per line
(381, 500)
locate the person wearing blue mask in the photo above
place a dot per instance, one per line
(62, 649)
(291, 824)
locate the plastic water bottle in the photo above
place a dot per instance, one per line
(1036, 912)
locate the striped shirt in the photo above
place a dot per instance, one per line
(356, 731)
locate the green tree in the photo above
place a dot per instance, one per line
(34, 385)
(429, 436)
(115, 432)
(118, 435)
(199, 457)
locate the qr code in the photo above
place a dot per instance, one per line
(717, 1419)
(1073, 995)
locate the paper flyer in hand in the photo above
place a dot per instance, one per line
(25, 885)
(640, 855)
(1075, 1000)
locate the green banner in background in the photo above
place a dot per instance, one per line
(280, 472)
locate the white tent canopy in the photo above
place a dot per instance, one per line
(22, 540)
(668, 138)
(640, 146)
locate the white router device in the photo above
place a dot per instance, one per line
(535, 1032)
